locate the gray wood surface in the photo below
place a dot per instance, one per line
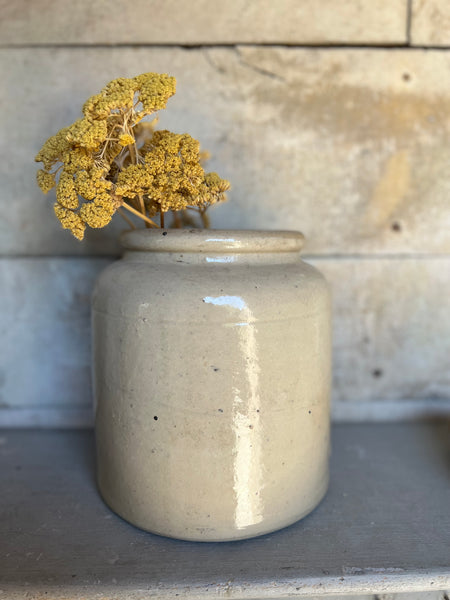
(333, 142)
(383, 527)
(206, 21)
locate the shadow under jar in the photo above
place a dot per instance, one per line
(212, 382)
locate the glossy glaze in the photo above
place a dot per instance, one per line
(212, 376)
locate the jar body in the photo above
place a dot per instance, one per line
(211, 380)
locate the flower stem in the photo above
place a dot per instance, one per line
(177, 222)
(139, 214)
(204, 218)
(142, 207)
(124, 216)
(133, 153)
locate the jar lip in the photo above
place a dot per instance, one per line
(212, 240)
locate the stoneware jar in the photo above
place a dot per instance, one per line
(212, 379)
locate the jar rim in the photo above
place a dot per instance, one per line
(212, 240)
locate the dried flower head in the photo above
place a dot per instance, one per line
(111, 158)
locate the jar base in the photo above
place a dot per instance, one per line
(209, 535)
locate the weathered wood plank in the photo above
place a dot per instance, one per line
(430, 23)
(382, 528)
(350, 146)
(391, 339)
(206, 22)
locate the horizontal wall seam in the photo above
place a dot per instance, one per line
(341, 412)
(362, 47)
(315, 46)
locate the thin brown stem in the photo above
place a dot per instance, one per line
(162, 219)
(142, 206)
(139, 214)
(177, 222)
(124, 216)
(205, 218)
(133, 153)
(187, 219)
(54, 173)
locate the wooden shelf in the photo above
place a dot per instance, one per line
(383, 527)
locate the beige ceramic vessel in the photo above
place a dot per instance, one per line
(212, 379)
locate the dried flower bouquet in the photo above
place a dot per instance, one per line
(111, 159)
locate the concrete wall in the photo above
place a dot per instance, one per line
(328, 117)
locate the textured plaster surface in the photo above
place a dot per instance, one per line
(179, 22)
(349, 146)
(430, 23)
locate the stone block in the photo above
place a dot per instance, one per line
(391, 330)
(430, 23)
(205, 22)
(45, 331)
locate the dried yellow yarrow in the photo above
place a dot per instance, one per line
(133, 180)
(76, 159)
(87, 133)
(171, 175)
(97, 214)
(53, 149)
(117, 95)
(70, 220)
(46, 181)
(66, 194)
(91, 184)
(214, 190)
(155, 90)
(83, 185)
(126, 139)
(216, 184)
(110, 157)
